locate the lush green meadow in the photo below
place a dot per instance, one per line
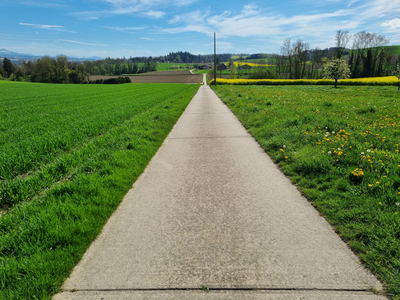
(68, 155)
(341, 147)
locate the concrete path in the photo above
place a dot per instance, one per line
(213, 210)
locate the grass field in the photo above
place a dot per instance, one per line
(341, 147)
(169, 66)
(69, 153)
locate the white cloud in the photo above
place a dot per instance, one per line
(250, 10)
(48, 27)
(253, 21)
(352, 2)
(154, 14)
(125, 28)
(190, 28)
(148, 8)
(76, 42)
(394, 24)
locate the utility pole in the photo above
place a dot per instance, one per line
(215, 60)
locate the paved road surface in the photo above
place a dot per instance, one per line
(213, 210)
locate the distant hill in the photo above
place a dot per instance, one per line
(15, 57)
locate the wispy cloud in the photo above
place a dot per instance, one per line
(149, 8)
(154, 14)
(352, 2)
(77, 42)
(125, 28)
(253, 21)
(46, 27)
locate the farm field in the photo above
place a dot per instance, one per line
(160, 77)
(341, 147)
(384, 80)
(69, 154)
(171, 66)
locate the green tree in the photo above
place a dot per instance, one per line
(8, 67)
(336, 69)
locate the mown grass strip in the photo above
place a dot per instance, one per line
(45, 233)
(341, 147)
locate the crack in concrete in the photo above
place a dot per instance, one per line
(219, 289)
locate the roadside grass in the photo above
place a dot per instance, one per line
(341, 147)
(93, 143)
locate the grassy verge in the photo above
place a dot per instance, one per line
(56, 204)
(341, 147)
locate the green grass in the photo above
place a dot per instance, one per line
(341, 147)
(69, 153)
(201, 72)
(168, 66)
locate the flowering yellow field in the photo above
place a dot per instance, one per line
(387, 80)
(251, 64)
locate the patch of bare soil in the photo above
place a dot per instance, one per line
(160, 77)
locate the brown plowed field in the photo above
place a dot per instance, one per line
(160, 77)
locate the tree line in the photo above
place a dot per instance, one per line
(61, 70)
(183, 57)
(368, 56)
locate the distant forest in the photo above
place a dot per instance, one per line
(183, 57)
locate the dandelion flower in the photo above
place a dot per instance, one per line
(329, 152)
(362, 153)
(380, 203)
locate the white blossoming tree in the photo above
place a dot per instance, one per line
(336, 69)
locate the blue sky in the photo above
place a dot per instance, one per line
(118, 28)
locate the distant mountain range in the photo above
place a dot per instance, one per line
(14, 56)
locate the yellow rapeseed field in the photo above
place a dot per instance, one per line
(251, 64)
(387, 80)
